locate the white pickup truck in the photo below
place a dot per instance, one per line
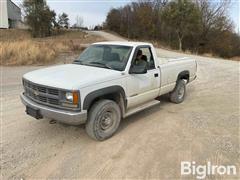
(108, 82)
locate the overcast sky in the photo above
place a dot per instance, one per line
(94, 11)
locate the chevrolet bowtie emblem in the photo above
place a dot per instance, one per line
(35, 93)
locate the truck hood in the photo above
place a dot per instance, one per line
(71, 76)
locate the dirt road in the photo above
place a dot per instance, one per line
(150, 144)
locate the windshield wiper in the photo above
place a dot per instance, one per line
(101, 64)
(78, 62)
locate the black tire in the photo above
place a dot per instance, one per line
(178, 94)
(103, 119)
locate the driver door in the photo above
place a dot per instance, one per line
(142, 88)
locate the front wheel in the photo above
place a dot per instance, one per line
(103, 119)
(178, 94)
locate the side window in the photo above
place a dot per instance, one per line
(147, 56)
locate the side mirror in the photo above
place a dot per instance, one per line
(138, 69)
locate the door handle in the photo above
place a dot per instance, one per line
(156, 75)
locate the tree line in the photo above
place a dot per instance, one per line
(42, 20)
(199, 26)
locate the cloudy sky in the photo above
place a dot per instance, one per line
(94, 11)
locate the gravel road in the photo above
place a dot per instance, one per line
(150, 144)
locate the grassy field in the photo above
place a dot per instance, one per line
(17, 47)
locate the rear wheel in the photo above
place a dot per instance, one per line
(179, 92)
(103, 120)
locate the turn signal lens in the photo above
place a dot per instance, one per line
(75, 97)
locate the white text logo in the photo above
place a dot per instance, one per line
(201, 171)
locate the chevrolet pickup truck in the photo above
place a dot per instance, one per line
(105, 85)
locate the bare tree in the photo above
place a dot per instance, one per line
(212, 13)
(79, 21)
(213, 18)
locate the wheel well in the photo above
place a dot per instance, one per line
(115, 93)
(116, 97)
(184, 75)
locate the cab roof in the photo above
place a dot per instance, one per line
(123, 43)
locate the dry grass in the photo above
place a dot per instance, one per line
(14, 35)
(18, 48)
(25, 53)
(236, 58)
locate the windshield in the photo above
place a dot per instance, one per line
(105, 56)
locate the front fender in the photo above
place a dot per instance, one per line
(101, 92)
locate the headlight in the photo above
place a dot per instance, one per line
(69, 96)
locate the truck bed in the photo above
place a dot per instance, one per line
(163, 60)
(170, 69)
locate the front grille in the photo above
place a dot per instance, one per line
(42, 94)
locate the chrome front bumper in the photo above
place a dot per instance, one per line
(68, 117)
